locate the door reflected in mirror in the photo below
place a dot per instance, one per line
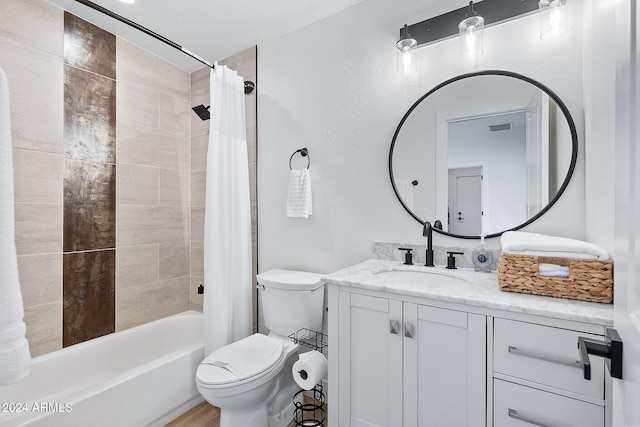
(490, 152)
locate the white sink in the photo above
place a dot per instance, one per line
(428, 276)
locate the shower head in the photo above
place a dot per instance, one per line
(202, 112)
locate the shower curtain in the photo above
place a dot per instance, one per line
(227, 224)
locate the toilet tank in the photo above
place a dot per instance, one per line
(291, 300)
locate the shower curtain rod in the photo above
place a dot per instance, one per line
(147, 31)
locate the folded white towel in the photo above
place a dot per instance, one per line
(299, 195)
(522, 243)
(15, 360)
(553, 270)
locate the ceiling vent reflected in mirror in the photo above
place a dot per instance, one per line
(500, 127)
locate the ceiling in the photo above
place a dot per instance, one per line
(213, 29)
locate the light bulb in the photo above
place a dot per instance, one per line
(554, 18)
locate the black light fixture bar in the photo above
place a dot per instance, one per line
(446, 25)
(145, 30)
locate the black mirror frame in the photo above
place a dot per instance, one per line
(552, 95)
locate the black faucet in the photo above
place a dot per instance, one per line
(427, 232)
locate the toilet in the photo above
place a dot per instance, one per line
(256, 388)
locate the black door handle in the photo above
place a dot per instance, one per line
(610, 348)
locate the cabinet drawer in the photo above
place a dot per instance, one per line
(545, 355)
(517, 405)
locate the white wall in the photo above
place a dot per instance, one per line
(599, 112)
(332, 87)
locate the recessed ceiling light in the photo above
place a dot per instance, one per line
(128, 1)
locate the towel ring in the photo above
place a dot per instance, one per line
(304, 153)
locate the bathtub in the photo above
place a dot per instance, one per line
(141, 376)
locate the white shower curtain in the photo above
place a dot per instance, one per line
(227, 224)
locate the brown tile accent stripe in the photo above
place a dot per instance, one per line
(89, 148)
(89, 47)
(89, 282)
(89, 116)
(89, 206)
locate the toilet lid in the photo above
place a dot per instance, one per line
(245, 358)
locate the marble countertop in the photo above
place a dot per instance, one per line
(475, 288)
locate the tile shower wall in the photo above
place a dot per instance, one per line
(152, 198)
(245, 64)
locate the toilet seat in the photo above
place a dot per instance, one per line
(249, 359)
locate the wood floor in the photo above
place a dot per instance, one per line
(207, 415)
(203, 415)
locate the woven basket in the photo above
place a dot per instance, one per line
(588, 280)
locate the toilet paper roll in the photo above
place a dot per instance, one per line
(309, 369)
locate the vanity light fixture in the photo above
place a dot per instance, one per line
(407, 60)
(554, 18)
(471, 34)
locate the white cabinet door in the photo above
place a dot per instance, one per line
(444, 367)
(370, 361)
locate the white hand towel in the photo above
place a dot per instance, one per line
(522, 243)
(15, 360)
(553, 270)
(299, 195)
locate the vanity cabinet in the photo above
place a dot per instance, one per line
(404, 351)
(537, 379)
(403, 363)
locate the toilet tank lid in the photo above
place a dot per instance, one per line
(289, 279)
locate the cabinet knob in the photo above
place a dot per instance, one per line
(394, 326)
(408, 330)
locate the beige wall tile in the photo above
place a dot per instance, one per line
(198, 187)
(134, 65)
(174, 260)
(197, 258)
(249, 53)
(247, 69)
(140, 225)
(174, 114)
(136, 265)
(36, 125)
(199, 126)
(40, 278)
(229, 62)
(34, 23)
(197, 223)
(145, 303)
(252, 152)
(38, 228)
(137, 104)
(250, 113)
(174, 187)
(152, 147)
(136, 185)
(44, 328)
(252, 182)
(37, 176)
(200, 84)
(196, 299)
(199, 145)
(32, 73)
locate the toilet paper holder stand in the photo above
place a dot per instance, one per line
(310, 413)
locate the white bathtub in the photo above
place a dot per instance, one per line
(141, 376)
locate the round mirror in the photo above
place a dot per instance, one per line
(484, 153)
